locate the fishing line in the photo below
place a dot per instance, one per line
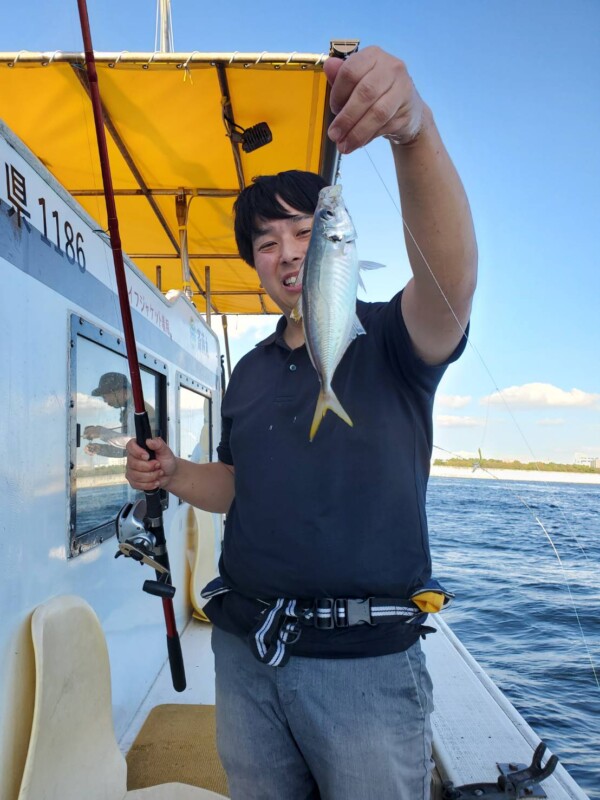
(456, 319)
(506, 405)
(485, 426)
(469, 340)
(549, 538)
(478, 465)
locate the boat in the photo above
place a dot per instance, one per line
(182, 134)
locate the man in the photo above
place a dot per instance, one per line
(316, 530)
(114, 388)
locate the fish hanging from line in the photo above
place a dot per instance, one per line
(327, 305)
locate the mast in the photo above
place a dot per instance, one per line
(163, 40)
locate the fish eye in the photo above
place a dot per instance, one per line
(326, 213)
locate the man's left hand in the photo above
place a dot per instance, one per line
(372, 95)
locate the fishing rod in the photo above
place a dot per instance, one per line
(144, 519)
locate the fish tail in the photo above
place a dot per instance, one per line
(327, 401)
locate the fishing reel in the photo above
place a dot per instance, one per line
(136, 542)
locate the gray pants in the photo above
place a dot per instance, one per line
(323, 729)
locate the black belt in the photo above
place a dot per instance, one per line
(342, 612)
(281, 620)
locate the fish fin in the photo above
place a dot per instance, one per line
(327, 401)
(296, 314)
(357, 328)
(367, 265)
(370, 265)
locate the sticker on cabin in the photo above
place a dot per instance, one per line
(198, 338)
(16, 191)
(55, 229)
(140, 302)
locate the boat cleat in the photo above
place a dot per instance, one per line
(515, 781)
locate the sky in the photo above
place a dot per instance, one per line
(514, 86)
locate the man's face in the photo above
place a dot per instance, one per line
(115, 398)
(279, 249)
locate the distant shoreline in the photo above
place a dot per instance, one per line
(89, 481)
(439, 471)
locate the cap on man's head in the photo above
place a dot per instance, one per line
(110, 382)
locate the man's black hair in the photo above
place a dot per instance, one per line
(261, 201)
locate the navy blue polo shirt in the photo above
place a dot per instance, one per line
(343, 515)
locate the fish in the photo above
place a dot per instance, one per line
(327, 304)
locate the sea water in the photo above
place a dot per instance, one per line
(528, 614)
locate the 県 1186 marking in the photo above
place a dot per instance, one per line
(73, 241)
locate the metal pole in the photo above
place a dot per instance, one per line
(226, 338)
(208, 299)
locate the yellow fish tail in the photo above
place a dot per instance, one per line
(327, 401)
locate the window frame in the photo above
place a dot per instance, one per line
(183, 381)
(81, 327)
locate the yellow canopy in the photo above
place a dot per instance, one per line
(168, 116)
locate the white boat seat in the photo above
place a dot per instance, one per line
(73, 752)
(205, 529)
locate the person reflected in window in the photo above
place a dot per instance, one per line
(114, 388)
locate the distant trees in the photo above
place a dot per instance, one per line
(496, 463)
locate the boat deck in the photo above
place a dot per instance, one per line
(199, 667)
(475, 726)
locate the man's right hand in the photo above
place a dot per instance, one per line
(147, 475)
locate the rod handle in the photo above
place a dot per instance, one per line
(176, 662)
(143, 431)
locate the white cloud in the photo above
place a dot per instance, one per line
(550, 421)
(240, 325)
(448, 421)
(87, 404)
(453, 400)
(541, 395)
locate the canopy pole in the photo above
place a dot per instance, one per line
(226, 339)
(181, 210)
(153, 521)
(207, 294)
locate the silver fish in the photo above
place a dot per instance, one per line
(327, 304)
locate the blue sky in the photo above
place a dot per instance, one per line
(515, 89)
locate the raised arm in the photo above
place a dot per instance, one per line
(373, 95)
(206, 486)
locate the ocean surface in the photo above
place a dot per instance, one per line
(528, 614)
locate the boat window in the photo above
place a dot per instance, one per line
(195, 422)
(102, 421)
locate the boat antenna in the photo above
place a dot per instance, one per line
(163, 39)
(154, 547)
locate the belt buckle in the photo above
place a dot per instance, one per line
(359, 611)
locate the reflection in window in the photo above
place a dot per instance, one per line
(194, 426)
(104, 414)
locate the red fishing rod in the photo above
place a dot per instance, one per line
(151, 547)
